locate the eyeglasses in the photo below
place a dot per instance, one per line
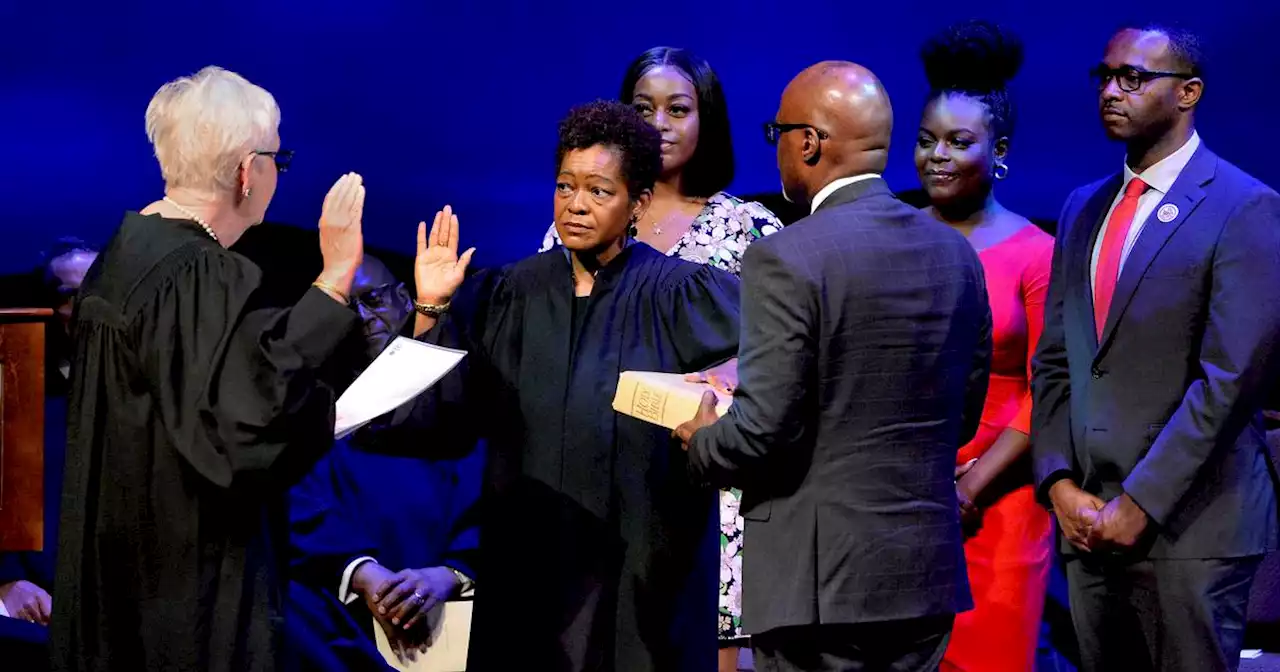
(282, 158)
(382, 294)
(773, 131)
(1129, 78)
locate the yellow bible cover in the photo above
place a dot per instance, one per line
(664, 399)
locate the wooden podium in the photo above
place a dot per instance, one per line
(22, 428)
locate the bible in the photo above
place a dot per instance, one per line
(664, 399)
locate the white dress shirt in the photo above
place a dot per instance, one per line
(1159, 178)
(834, 186)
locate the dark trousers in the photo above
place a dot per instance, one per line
(914, 645)
(1166, 615)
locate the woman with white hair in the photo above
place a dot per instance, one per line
(191, 403)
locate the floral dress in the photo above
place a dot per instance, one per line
(719, 236)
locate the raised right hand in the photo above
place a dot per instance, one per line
(1076, 511)
(341, 232)
(438, 270)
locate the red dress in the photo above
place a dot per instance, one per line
(1008, 560)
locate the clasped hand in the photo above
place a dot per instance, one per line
(1090, 524)
(26, 601)
(400, 602)
(970, 512)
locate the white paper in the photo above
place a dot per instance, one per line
(1250, 654)
(405, 369)
(450, 626)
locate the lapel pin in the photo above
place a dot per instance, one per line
(1167, 213)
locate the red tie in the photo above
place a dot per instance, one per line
(1108, 271)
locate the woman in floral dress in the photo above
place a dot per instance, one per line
(692, 217)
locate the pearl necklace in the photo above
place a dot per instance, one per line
(194, 217)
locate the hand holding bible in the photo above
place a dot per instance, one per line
(706, 417)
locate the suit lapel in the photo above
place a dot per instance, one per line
(1184, 196)
(1084, 231)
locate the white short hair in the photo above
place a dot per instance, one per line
(202, 127)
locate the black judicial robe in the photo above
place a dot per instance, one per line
(191, 408)
(597, 550)
(407, 505)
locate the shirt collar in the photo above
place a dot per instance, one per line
(1164, 173)
(837, 185)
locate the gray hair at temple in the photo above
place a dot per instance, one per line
(203, 125)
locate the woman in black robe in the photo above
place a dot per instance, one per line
(192, 404)
(597, 551)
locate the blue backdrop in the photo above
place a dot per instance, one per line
(458, 102)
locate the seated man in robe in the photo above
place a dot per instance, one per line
(26, 578)
(386, 504)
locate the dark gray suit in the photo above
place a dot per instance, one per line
(864, 355)
(1166, 407)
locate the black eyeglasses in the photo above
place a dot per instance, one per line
(773, 131)
(1129, 78)
(282, 158)
(381, 294)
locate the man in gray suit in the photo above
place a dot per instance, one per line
(864, 355)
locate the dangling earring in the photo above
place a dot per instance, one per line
(632, 229)
(1002, 170)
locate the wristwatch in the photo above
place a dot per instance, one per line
(465, 583)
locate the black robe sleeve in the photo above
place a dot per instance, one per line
(451, 413)
(324, 535)
(700, 314)
(237, 388)
(464, 538)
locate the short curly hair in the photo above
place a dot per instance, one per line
(620, 127)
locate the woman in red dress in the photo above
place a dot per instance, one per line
(961, 151)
